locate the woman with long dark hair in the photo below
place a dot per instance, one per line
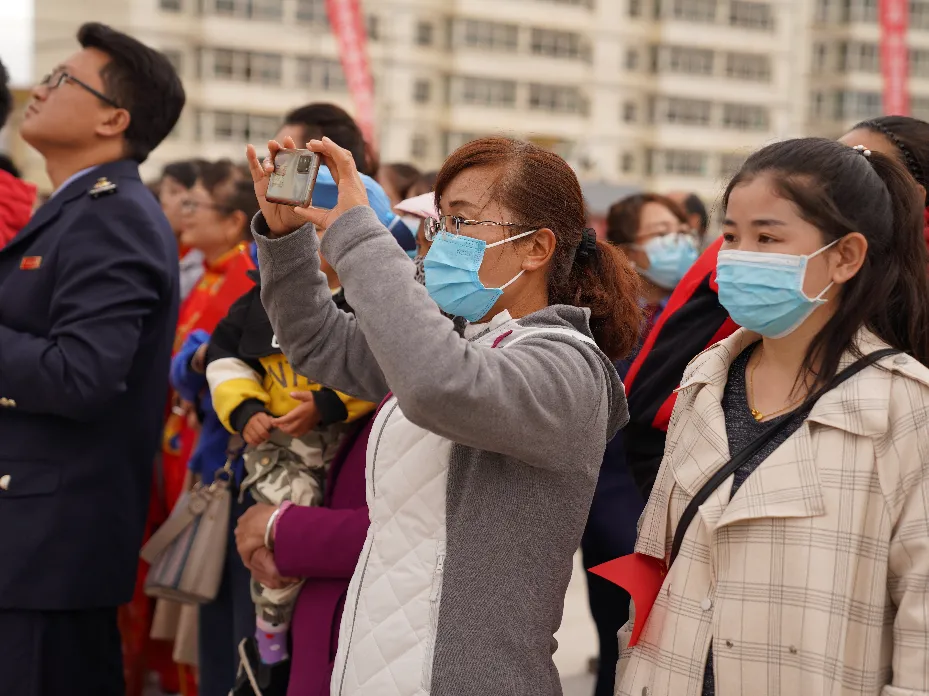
(694, 320)
(483, 459)
(804, 572)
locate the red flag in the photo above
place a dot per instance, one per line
(642, 577)
(348, 26)
(895, 57)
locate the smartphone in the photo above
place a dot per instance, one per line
(294, 177)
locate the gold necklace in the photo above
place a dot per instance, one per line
(756, 414)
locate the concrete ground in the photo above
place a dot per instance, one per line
(577, 640)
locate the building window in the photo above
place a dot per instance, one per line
(268, 10)
(556, 99)
(635, 8)
(575, 3)
(920, 107)
(693, 10)
(632, 60)
(483, 91)
(242, 66)
(175, 58)
(372, 27)
(491, 36)
(627, 163)
(919, 62)
(321, 73)
(312, 12)
(730, 164)
(745, 117)
(422, 91)
(919, 14)
(755, 67)
(424, 33)
(823, 11)
(857, 105)
(683, 112)
(230, 126)
(630, 112)
(683, 59)
(751, 15)
(820, 57)
(859, 57)
(419, 146)
(248, 9)
(677, 162)
(859, 11)
(451, 141)
(558, 44)
(265, 68)
(170, 5)
(230, 65)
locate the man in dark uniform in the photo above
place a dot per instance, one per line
(88, 304)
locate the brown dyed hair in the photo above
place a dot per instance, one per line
(624, 217)
(542, 191)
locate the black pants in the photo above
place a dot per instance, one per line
(226, 620)
(52, 653)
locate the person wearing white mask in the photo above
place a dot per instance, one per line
(789, 524)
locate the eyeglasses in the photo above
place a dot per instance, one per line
(54, 79)
(453, 224)
(192, 206)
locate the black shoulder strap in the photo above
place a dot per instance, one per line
(755, 445)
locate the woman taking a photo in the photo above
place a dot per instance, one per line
(804, 572)
(483, 459)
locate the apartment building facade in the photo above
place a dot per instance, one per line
(663, 94)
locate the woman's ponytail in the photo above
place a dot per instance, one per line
(903, 321)
(605, 282)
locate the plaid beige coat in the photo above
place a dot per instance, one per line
(814, 578)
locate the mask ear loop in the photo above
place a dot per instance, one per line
(819, 297)
(511, 239)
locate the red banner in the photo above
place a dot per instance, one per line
(894, 57)
(348, 25)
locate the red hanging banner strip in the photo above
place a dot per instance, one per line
(348, 25)
(895, 57)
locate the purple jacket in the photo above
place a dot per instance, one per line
(322, 544)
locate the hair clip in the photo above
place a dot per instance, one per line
(863, 150)
(588, 246)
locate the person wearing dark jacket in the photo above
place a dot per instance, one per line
(88, 302)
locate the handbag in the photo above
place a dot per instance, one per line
(188, 551)
(642, 575)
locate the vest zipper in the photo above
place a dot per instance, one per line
(364, 568)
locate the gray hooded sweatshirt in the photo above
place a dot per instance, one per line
(517, 433)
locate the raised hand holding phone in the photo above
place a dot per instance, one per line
(351, 188)
(281, 218)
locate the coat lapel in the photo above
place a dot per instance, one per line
(785, 484)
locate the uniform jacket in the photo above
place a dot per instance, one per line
(480, 468)
(248, 373)
(812, 580)
(88, 304)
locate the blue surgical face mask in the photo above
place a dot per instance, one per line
(670, 257)
(451, 268)
(763, 292)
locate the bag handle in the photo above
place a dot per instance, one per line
(763, 439)
(197, 502)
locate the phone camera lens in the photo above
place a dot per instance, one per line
(303, 165)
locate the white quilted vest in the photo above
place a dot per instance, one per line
(388, 628)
